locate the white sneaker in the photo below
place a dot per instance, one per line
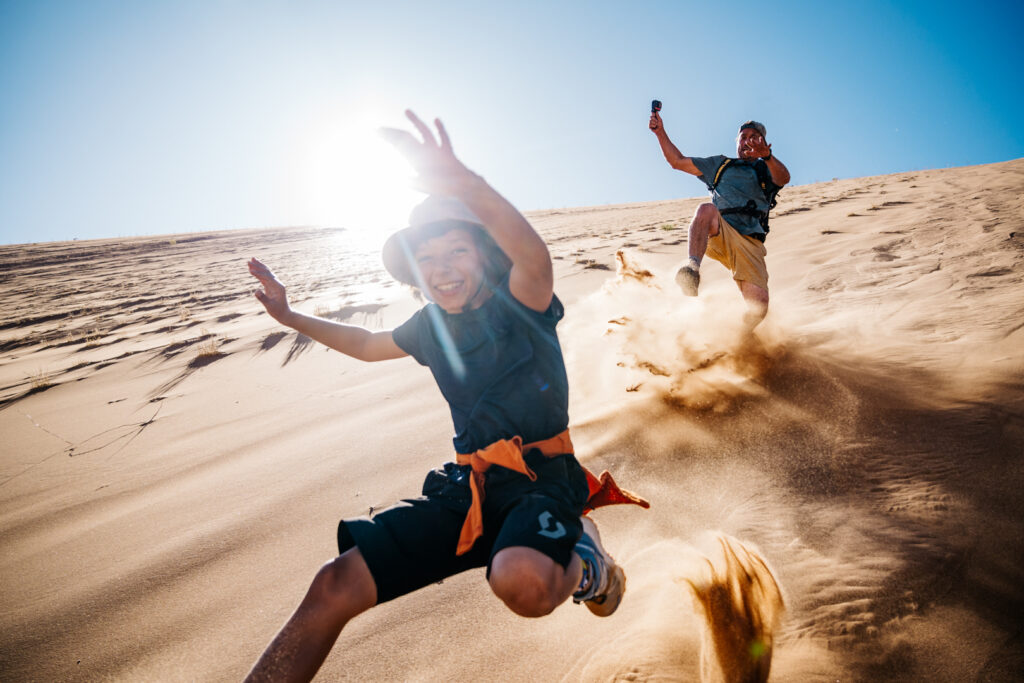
(608, 584)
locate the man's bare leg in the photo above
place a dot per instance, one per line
(341, 589)
(703, 227)
(530, 583)
(756, 298)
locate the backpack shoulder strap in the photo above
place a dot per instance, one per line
(718, 173)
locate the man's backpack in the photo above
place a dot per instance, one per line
(768, 187)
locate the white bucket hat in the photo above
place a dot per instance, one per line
(432, 217)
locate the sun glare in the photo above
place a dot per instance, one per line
(352, 178)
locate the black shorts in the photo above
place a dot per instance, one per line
(412, 544)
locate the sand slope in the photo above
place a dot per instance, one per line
(173, 464)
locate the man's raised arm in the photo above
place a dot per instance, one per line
(780, 174)
(673, 156)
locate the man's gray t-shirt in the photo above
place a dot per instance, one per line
(737, 186)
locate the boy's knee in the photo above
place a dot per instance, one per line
(523, 587)
(527, 595)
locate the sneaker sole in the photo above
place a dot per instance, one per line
(616, 591)
(616, 581)
(688, 281)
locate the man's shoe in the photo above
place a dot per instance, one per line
(688, 280)
(608, 582)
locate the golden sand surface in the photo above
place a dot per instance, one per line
(173, 464)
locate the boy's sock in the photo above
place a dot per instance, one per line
(587, 579)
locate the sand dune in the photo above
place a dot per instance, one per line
(173, 464)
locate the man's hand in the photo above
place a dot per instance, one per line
(439, 171)
(271, 293)
(758, 147)
(655, 125)
(762, 150)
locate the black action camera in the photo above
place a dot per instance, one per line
(655, 106)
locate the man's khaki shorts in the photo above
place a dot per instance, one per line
(742, 255)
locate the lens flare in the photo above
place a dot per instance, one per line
(351, 178)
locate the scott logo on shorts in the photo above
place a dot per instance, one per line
(548, 529)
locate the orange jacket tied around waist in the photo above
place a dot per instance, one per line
(508, 453)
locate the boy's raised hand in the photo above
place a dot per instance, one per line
(271, 293)
(440, 172)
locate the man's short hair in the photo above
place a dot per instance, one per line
(754, 125)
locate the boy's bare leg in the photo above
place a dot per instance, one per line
(341, 589)
(530, 583)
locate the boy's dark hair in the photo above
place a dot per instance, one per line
(497, 264)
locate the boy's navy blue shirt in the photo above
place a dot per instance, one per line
(514, 382)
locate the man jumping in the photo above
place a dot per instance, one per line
(731, 228)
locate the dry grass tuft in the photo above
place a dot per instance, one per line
(41, 380)
(92, 339)
(208, 345)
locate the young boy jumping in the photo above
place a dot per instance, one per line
(514, 497)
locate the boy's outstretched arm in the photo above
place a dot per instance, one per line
(351, 340)
(531, 280)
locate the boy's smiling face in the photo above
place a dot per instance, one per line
(452, 269)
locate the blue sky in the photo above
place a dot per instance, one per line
(126, 118)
